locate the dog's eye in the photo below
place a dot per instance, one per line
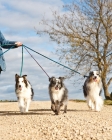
(54, 82)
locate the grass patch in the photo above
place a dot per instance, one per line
(77, 100)
(106, 102)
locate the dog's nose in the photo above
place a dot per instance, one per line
(19, 86)
(95, 77)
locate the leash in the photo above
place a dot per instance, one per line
(21, 63)
(54, 61)
(37, 62)
(7, 49)
(12, 45)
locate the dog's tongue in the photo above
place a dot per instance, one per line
(20, 88)
(95, 80)
(56, 88)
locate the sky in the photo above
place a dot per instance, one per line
(19, 22)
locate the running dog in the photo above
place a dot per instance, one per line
(58, 94)
(24, 92)
(92, 91)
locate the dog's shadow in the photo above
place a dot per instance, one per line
(37, 112)
(30, 112)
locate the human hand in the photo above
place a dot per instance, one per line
(18, 44)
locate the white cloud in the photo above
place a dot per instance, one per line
(26, 14)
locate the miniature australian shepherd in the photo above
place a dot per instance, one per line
(58, 94)
(92, 91)
(24, 92)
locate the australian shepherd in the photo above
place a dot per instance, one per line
(92, 91)
(24, 92)
(58, 94)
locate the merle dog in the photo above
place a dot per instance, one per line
(58, 94)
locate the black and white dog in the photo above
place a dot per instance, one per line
(24, 92)
(58, 94)
(92, 91)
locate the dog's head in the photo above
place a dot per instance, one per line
(94, 76)
(57, 83)
(21, 82)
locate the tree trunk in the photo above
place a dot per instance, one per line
(105, 88)
(106, 93)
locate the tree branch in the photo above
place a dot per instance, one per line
(110, 80)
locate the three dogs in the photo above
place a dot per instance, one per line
(59, 94)
(92, 91)
(24, 92)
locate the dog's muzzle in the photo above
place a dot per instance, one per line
(20, 87)
(95, 79)
(56, 87)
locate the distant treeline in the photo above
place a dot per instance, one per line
(106, 102)
(8, 100)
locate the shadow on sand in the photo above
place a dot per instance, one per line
(37, 112)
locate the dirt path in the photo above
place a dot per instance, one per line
(40, 123)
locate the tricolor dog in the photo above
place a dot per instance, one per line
(92, 91)
(58, 94)
(24, 92)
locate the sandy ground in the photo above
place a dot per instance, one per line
(40, 123)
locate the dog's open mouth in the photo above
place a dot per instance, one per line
(56, 88)
(20, 88)
(95, 79)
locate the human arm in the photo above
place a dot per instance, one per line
(6, 44)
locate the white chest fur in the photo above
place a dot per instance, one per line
(24, 93)
(57, 94)
(94, 89)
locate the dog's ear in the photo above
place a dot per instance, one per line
(90, 73)
(62, 78)
(24, 76)
(49, 79)
(52, 79)
(16, 76)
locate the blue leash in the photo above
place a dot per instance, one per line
(37, 63)
(21, 63)
(12, 45)
(6, 50)
(55, 61)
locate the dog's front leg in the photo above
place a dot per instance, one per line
(65, 109)
(53, 107)
(27, 105)
(97, 108)
(21, 105)
(90, 103)
(58, 110)
(58, 105)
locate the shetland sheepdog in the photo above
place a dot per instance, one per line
(92, 91)
(58, 94)
(24, 92)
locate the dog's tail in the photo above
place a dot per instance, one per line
(32, 93)
(85, 90)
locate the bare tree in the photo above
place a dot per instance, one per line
(86, 27)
